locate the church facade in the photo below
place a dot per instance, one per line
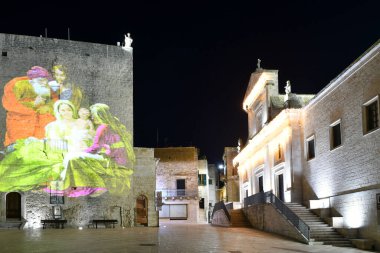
(321, 151)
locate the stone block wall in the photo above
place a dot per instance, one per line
(348, 175)
(232, 176)
(360, 210)
(144, 181)
(176, 163)
(103, 72)
(261, 217)
(179, 163)
(77, 211)
(80, 211)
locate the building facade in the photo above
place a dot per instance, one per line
(271, 160)
(213, 184)
(231, 177)
(342, 146)
(320, 151)
(37, 76)
(203, 190)
(177, 182)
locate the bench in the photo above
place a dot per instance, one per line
(53, 223)
(107, 223)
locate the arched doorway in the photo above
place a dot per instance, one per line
(13, 205)
(142, 210)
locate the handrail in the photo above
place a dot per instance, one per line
(258, 198)
(220, 206)
(229, 205)
(178, 193)
(269, 197)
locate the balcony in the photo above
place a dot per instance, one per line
(178, 194)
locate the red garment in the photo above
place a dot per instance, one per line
(22, 122)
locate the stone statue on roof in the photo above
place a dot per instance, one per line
(258, 64)
(239, 145)
(127, 41)
(288, 88)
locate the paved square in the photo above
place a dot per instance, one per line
(169, 237)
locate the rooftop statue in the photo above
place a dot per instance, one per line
(128, 40)
(288, 88)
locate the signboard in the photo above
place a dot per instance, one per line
(56, 199)
(159, 199)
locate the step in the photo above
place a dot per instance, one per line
(323, 233)
(317, 226)
(320, 232)
(309, 217)
(311, 220)
(328, 238)
(336, 243)
(331, 239)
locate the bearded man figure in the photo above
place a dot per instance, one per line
(29, 102)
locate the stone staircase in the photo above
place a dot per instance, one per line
(238, 219)
(320, 232)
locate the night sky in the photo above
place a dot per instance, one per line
(193, 59)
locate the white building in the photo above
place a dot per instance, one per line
(269, 161)
(342, 146)
(324, 151)
(204, 190)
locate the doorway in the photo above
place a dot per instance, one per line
(280, 187)
(181, 186)
(13, 205)
(142, 210)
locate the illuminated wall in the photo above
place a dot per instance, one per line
(178, 164)
(274, 148)
(348, 175)
(103, 74)
(53, 117)
(231, 177)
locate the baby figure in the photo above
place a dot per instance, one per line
(84, 121)
(86, 126)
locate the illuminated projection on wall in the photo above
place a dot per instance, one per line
(53, 144)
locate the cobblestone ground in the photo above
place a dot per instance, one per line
(166, 238)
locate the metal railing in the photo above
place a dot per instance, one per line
(269, 197)
(229, 205)
(220, 206)
(258, 198)
(178, 193)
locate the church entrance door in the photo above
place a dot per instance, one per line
(13, 205)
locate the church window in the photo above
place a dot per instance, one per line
(310, 145)
(371, 115)
(259, 117)
(259, 180)
(261, 183)
(245, 176)
(335, 135)
(278, 154)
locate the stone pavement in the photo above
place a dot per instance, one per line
(169, 237)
